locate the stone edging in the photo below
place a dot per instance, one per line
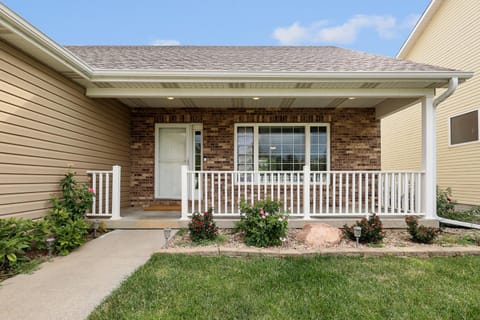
(349, 252)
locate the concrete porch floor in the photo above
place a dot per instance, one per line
(137, 218)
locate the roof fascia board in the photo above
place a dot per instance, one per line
(27, 32)
(419, 27)
(253, 92)
(206, 76)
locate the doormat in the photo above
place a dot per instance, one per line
(163, 208)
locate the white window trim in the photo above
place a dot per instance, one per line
(450, 129)
(307, 127)
(190, 129)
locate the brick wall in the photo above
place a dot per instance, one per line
(354, 138)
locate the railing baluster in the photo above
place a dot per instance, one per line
(252, 194)
(205, 201)
(372, 200)
(94, 184)
(334, 193)
(379, 192)
(392, 192)
(100, 194)
(354, 192)
(412, 188)
(399, 192)
(219, 197)
(291, 192)
(314, 193)
(366, 193)
(347, 190)
(360, 192)
(321, 192)
(232, 192)
(340, 187)
(107, 193)
(327, 200)
(298, 192)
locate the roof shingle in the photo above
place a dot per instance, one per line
(242, 59)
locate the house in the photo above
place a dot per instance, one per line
(448, 34)
(207, 127)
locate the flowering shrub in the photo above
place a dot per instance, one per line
(372, 230)
(202, 226)
(445, 204)
(263, 223)
(420, 233)
(76, 198)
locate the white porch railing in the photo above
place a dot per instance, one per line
(106, 184)
(324, 193)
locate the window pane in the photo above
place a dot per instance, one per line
(198, 151)
(464, 128)
(281, 148)
(244, 148)
(318, 148)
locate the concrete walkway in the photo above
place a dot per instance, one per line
(70, 287)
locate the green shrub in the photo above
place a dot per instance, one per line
(372, 230)
(445, 204)
(76, 198)
(202, 227)
(420, 233)
(70, 232)
(263, 223)
(14, 242)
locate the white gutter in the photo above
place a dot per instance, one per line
(452, 86)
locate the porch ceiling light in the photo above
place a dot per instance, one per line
(256, 98)
(170, 98)
(351, 98)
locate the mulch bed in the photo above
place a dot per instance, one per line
(394, 238)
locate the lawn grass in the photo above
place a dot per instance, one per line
(194, 287)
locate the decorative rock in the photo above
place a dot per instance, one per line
(320, 234)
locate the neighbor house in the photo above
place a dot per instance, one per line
(448, 34)
(206, 127)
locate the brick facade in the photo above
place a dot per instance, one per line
(354, 138)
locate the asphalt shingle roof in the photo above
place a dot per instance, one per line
(242, 58)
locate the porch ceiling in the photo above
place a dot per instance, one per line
(334, 93)
(250, 103)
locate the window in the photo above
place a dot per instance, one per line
(274, 147)
(464, 128)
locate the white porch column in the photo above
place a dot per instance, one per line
(429, 158)
(116, 189)
(184, 182)
(306, 192)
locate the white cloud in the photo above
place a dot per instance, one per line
(165, 42)
(386, 27)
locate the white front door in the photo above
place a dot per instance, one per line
(175, 145)
(172, 154)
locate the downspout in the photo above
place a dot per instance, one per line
(452, 86)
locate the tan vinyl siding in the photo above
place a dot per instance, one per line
(47, 124)
(452, 39)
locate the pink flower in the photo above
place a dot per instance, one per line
(91, 190)
(262, 212)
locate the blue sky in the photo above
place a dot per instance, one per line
(376, 26)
